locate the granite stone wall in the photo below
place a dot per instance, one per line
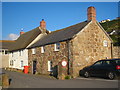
(88, 47)
(49, 55)
(116, 51)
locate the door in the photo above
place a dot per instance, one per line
(34, 66)
(96, 68)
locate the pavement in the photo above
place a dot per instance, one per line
(21, 80)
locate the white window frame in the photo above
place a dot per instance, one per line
(49, 66)
(6, 52)
(55, 46)
(22, 63)
(20, 53)
(12, 54)
(42, 49)
(33, 51)
(11, 62)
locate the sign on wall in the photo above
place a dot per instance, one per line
(105, 43)
(64, 63)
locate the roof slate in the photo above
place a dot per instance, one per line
(25, 39)
(60, 35)
(5, 44)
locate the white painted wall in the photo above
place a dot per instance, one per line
(17, 58)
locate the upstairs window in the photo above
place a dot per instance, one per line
(33, 51)
(20, 52)
(3, 52)
(6, 52)
(12, 54)
(42, 49)
(57, 46)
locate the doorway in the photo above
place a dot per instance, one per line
(34, 66)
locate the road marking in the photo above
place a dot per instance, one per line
(97, 79)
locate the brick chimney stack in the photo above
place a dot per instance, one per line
(91, 13)
(43, 24)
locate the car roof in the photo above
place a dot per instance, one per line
(110, 59)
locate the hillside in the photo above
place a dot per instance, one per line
(113, 26)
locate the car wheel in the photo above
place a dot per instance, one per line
(86, 74)
(111, 75)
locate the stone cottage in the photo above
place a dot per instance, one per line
(18, 56)
(78, 45)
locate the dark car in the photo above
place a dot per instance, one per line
(109, 68)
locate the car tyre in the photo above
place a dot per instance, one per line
(111, 75)
(86, 74)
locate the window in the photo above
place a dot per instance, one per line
(42, 49)
(12, 54)
(20, 52)
(57, 46)
(11, 63)
(106, 63)
(22, 64)
(3, 52)
(6, 52)
(98, 63)
(49, 65)
(105, 43)
(33, 51)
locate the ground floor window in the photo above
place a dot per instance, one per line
(11, 63)
(22, 63)
(49, 65)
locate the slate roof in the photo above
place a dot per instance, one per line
(5, 44)
(25, 39)
(60, 35)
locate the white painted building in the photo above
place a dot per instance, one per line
(4, 55)
(18, 59)
(18, 53)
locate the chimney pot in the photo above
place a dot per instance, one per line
(22, 32)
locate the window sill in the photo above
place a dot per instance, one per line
(56, 50)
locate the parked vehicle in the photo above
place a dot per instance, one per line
(109, 68)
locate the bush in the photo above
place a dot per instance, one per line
(68, 77)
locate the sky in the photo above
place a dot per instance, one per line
(58, 15)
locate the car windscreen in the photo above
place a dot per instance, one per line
(117, 62)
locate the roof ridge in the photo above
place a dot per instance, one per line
(67, 27)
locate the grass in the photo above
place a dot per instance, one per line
(0, 83)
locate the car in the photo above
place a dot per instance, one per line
(108, 68)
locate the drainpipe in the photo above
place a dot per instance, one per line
(111, 50)
(68, 45)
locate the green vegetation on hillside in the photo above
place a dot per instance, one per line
(109, 26)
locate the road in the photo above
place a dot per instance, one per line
(20, 80)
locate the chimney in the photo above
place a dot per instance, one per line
(91, 13)
(43, 24)
(22, 31)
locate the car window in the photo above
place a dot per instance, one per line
(118, 62)
(113, 62)
(106, 62)
(98, 63)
